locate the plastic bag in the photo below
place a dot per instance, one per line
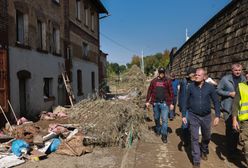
(19, 147)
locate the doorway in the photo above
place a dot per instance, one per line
(23, 77)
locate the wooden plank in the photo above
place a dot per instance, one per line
(4, 80)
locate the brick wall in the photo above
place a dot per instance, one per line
(222, 41)
(3, 23)
(48, 11)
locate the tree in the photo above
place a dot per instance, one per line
(136, 60)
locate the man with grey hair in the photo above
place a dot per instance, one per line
(227, 90)
(198, 105)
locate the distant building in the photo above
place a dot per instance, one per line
(40, 36)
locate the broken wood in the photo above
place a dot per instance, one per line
(6, 118)
(13, 112)
(69, 147)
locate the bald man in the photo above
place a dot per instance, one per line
(199, 96)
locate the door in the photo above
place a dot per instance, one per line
(23, 77)
(4, 89)
(23, 97)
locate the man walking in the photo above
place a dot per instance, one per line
(240, 113)
(199, 96)
(160, 95)
(226, 89)
(184, 84)
(175, 86)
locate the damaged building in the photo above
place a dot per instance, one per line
(40, 39)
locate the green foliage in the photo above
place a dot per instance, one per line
(115, 68)
(152, 62)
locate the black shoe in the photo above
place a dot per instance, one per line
(204, 156)
(157, 133)
(171, 119)
(164, 138)
(196, 165)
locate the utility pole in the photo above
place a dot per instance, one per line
(186, 35)
(142, 62)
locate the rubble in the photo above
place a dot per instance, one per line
(74, 131)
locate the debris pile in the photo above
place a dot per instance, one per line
(75, 130)
(107, 123)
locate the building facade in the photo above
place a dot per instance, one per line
(42, 36)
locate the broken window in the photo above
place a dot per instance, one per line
(78, 9)
(56, 1)
(55, 42)
(85, 49)
(47, 87)
(93, 81)
(79, 82)
(19, 27)
(41, 35)
(92, 21)
(86, 15)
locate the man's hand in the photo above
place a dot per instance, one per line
(232, 94)
(235, 124)
(216, 121)
(147, 105)
(184, 119)
(171, 107)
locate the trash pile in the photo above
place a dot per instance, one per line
(74, 131)
(107, 123)
(32, 141)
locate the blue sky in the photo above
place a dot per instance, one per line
(151, 25)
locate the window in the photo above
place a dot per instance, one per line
(55, 42)
(93, 81)
(19, 27)
(86, 15)
(47, 88)
(79, 82)
(41, 35)
(92, 21)
(78, 9)
(56, 1)
(85, 49)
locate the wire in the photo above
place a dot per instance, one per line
(119, 44)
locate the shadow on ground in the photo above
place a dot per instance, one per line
(221, 151)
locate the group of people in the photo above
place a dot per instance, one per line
(196, 94)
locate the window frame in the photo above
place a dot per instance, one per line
(78, 9)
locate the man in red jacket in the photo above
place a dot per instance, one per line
(160, 95)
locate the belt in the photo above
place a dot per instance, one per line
(160, 101)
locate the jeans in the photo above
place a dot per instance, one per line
(195, 122)
(161, 110)
(172, 113)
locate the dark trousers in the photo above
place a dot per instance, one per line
(232, 137)
(172, 113)
(244, 136)
(195, 122)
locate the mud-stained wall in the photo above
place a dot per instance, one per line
(222, 41)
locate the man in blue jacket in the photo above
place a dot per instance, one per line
(226, 89)
(199, 96)
(184, 84)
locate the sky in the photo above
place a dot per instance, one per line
(151, 25)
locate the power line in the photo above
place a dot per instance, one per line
(119, 44)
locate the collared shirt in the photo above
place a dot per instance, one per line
(199, 100)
